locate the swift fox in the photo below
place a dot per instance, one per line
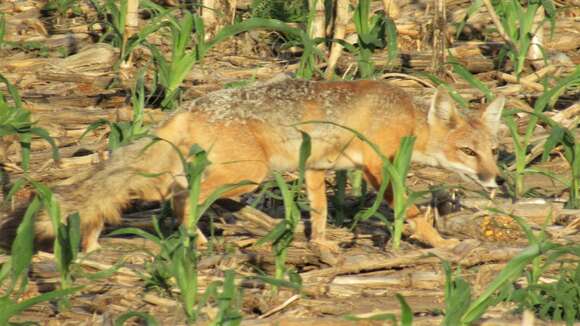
(249, 132)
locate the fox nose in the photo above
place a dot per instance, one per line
(499, 180)
(487, 180)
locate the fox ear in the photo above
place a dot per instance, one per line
(442, 111)
(491, 117)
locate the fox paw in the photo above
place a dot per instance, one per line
(91, 246)
(327, 251)
(201, 239)
(445, 243)
(424, 231)
(435, 240)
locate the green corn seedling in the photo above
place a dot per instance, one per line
(295, 11)
(2, 30)
(374, 33)
(518, 23)
(114, 16)
(15, 120)
(179, 255)
(567, 138)
(123, 133)
(228, 301)
(66, 243)
(176, 265)
(398, 172)
(62, 7)
(68, 237)
(522, 142)
(172, 72)
(311, 54)
(282, 235)
(394, 173)
(146, 318)
(462, 310)
(340, 197)
(406, 314)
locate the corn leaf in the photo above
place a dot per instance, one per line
(406, 312)
(145, 317)
(473, 8)
(8, 309)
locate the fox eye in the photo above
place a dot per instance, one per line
(467, 151)
(494, 151)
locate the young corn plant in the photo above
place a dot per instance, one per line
(533, 262)
(62, 7)
(296, 11)
(16, 121)
(559, 135)
(188, 49)
(293, 11)
(185, 256)
(311, 53)
(68, 236)
(457, 296)
(113, 16)
(567, 138)
(228, 300)
(282, 235)
(14, 272)
(406, 314)
(172, 267)
(393, 173)
(517, 21)
(558, 301)
(398, 174)
(172, 72)
(144, 317)
(376, 32)
(523, 141)
(123, 133)
(177, 261)
(2, 30)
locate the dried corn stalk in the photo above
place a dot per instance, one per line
(340, 23)
(317, 29)
(392, 9)
(439, 38)
(535, 54)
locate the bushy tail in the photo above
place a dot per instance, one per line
(142, 170)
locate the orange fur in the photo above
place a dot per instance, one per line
(251, 131)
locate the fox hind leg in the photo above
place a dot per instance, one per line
(215, 178)
(316, 190)
(90, 240)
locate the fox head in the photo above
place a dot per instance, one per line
(464, 145)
